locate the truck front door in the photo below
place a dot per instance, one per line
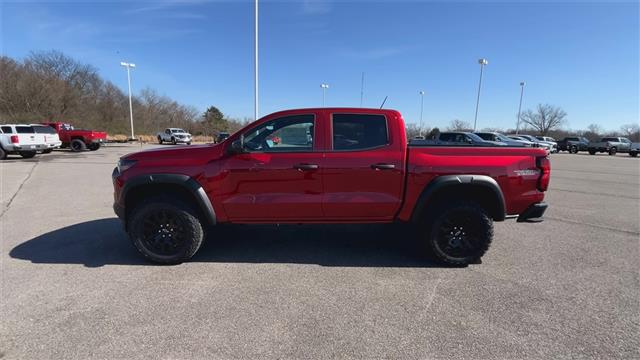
(278, 176)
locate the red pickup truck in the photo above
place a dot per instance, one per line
(328, 165)
(78, 139)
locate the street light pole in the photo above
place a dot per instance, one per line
(482, 63)
(421, 108)
(129, 66)
(324, 88)
(255, 63)
(522, 84)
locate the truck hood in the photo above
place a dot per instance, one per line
(206, 152)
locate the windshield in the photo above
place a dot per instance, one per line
(177, 130)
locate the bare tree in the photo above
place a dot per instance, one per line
(545, 118)
(459, 125)
(632, 131)
(414, 130)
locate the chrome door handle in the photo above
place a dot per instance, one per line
(383, 166)
(305, 167)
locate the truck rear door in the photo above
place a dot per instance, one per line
(363, 168)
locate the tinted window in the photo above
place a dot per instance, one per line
(474, 137)
(24, 130)
(454, 137)
(287, 134)
(44, 130)
(610, 139)
(6, 129)
(359, 131)
(572, 139)
(485, 136)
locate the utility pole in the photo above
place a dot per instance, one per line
(129, 66)
(482, 63)
(522, 84)
(255, 63)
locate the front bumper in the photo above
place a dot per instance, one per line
(118, 208)
(533, 213)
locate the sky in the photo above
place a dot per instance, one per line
(582, 56)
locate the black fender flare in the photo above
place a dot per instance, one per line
(448, 181)
(185, 181)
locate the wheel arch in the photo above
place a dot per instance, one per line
(479, 188)
(140, 187)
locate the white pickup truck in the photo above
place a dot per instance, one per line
(20, 139)
(51, 137)
(174, 136)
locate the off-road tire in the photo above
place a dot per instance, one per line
(613, 151)
(459, 218)
(94, 146)
(573, 150)
(159, 140)
(47, 151)
(27, 154)
(183, 223)
(77, 145)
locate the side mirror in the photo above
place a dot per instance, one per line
(236, 147)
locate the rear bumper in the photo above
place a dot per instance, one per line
(17, 148)
(54, 145)
(533, 213)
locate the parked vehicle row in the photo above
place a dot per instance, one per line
(610, 145)
(27, 140)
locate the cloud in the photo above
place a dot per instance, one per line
(316, 7)
(164, 5)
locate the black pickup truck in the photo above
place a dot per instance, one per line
(573, 144)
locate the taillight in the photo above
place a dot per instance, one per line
(14, 139)
(544, 165)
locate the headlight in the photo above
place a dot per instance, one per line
(124, 165)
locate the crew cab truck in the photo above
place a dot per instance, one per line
(611, 145)
(78, 139)
(174, 136)
(20, 139)
(573, 144)
(329, 165)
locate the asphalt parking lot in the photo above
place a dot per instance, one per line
(73, 287)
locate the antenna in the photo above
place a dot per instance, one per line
(362, 89)
(384, 101)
